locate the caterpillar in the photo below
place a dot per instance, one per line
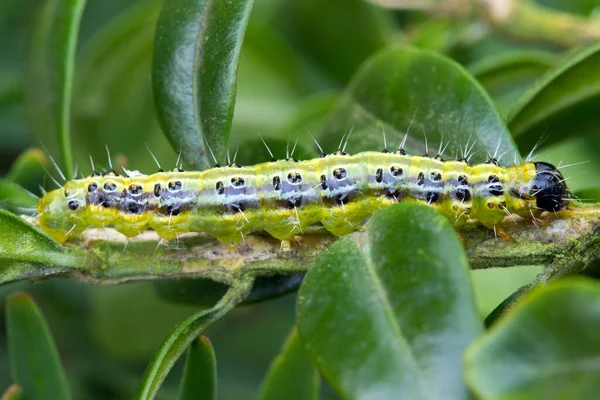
(285, 198)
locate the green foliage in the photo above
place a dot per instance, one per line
(387, 311)
(28, 170)
(183, 335)
(434, 96)
(533, 354)
(200, 375)
(196, 54)
(16, 198)
(26, 251)
(57, 31)
(589, 195)
(389, 301)
(562, 101)
(34, 361)
(506, 76)
(354, 28)
(291, 375)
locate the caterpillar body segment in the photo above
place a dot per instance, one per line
(287, 198)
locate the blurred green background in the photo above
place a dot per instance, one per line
(297, 58)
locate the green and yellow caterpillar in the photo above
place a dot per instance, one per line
(286, 198)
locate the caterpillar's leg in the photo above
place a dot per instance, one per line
(233, 246)
(298, 240)
(538, 222)
(501, 233)
(286, 245)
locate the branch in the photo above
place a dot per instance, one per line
(520, 19)
(568, 237)
(524, 19)
(568, 242)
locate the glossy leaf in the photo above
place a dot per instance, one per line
(403, 85)
(34, 360)
(183, 335)
(354, 28)
(391, 310)
(291, 375)
(196, 54)
(546, 348)
(506, 76)
(200, 374)
(54, 45)
(28, 170)
(24, 250)
(562, 104)
(16, 199)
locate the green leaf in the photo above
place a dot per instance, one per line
(507, 75)
(28, 170)
(16, 199)
(403, 85)
(579, 7)
(14, 392)
(98, 53)
(442, 35)
(116, 105)
(509, 302)
(26, 251)
(67, 25)
(183, 335)
(546, 348)
(34, 359)
(591, 195)
(53, 49)
(309, 116)
(562, 104)
(270, 287)
(200, 374)
(207, 292)
(354, 28)
(391, 310)
(196, 54)
(291, 375)
(11, 88)
(190, 291)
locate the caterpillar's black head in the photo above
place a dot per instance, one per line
(549, 188)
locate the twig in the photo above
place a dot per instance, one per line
(567, 243)
(520, 19)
